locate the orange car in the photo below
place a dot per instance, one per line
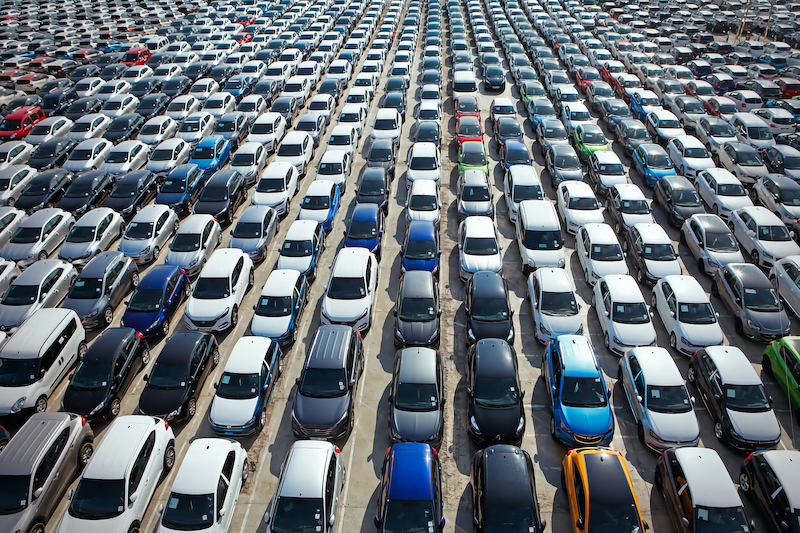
(599, 491)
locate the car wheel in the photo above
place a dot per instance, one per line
(115, 407)
(738, 326)
(108, 315)
(245, 471)
(586, 276)
(82, 350)
(165, 327)
(673, 342)
(38, 527)
(714, 288)
(754, 196)
(715, 210)
(682, 171)
(234, 317)
(156, 253)
(754, 257)
(262, 420)
(169, 457)
(766, 365)
(640, 276)
(135, 279)
(191, 407)
(607, 341)
(744, 482)
(251, 280)
(690, 374)
(700, 266)
(12, 201)
(86, 451)
(718, 432)
(653, 300)
(145, 357)
(41, 404)
(42, 255)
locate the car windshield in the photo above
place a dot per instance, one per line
(316, 202)
(558, 304)
(721, 242)
(417, 309)
(81, 234)
(417, 397)
(185, 242)
(791, 162)
(330, 169)
(721, 129)
(238, 386)
(668, 399)
(731, 189)
(342, 288)
(86, 288)
(720, 519)
(615, 516)
(362, 229)
(169, 374)
(493, 391)
(90, 375)
(423, 202)
(10, 125)
(18, 372)
(698, 152)
(290, 150)
(760, 133)
(386, 124)
(475, 193)
(247, 230)
(145, 300)
(297, 248)
(13, 493)
(188, 512)
(606, 252)
(203, 152)
(297, 515)
(323, 382)
(96, 499)
(749, 158)
(269, 185)
(274, 306)
(658, 160)
(635, 207)
(583, 392)
(748, 398)
(214, 194)
(686, 198)
(697, 313)
(127, 189)
(490, 309)
(508, 128)
(763, 300)
(188, 126)
(480, 246)
(588, 203)
(518, 157)
(630, 313)
(208, 288)
(137, 231)
(20, 294)
(594, 137)
(773, 233)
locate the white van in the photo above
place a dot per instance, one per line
(539, 236)
(751, 129)
(521, 183)
(464, 84)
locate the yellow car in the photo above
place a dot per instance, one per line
(599, 491)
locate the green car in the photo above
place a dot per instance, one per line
(782, 361)
(589, 138)
(472, 156)
(530, 90)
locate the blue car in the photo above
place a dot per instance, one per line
(643, 103)
(211, 154)
(420, 249)
(515, 152)
(578, 397)
(411, 489)
(321, 203)
(790, 105)
(652, 163)
(240, 86)
(181, 188)
(541, 109)
(366, 229)
(776, 61)
(155, 301)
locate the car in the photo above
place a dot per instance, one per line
(366, 228)
(388, 124)
(577, 205)
(350, 292)
(181, 188)
(161, 128)
(651, 252)
(506, 129)
(222, 195)
(44, 284)
(38, 236)
(652, 163)
(760, 473)
(105, 374)
(588, 139)
(762, 235)
(626, 205)
(234, 127)
(687, 313)
(168, 155)
(280, 307)
(782, 159)
(663, 126)
(721, 191)
(418, 373)
(599, 252)
(276, 187)
(743, 416)
(622, 313)
(47, 187)
(155, 301)
(86, 191)
(49, 129)
(373, 187)
(469, 128)
(88, 126)
(577, 395)
(92, 234)
(746, 100)
(136, 451)
(417, 312)
(689, 156)
(211, 154)
(554, 308)
(474, 195)
(254, 231)
(711, 242)
(411, 474)
(478, 246)
(614, 110)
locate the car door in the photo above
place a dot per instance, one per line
(584, 245)
(101, 233)
(226, 496)
(161, 233)
(114, 288)
(54, 473)
(50, 237)
(789, 283)
(49, 293)
(787, 374)
(695, 239)
(126, 367)
(144, 476)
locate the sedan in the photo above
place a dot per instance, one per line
(38, 236)
(417, 376)
(254, 231)
(554, 306)
(762, 235)
(131, 192)
(127, 156)
(181, 188)
(44, 284)
(622, 313)
(148, 232)
(92, 234)
(686, 313)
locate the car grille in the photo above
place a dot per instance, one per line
(323, 433)
(204, 323)
(587, 439)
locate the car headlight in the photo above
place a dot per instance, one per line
(714, 264)
(521, 424)
(543, 329)
(93, 313)
(18, 405)
(194, 262)
(98, 408)
(470, 334)
(561, 263)
(685, 341)
(767, 255)
(30, 256)
(564, 427)
(145, 251)
(473, 424)
(616, 340)
(174, 413)
(750, 324)
(434, 335)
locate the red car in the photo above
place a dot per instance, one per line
(467, 105)
(622, 84)
(242, 37)
(610, 68)
(585, 76)
(790, 87)
(468, 128)
(136, 56)
(20, 122)
(558, 40)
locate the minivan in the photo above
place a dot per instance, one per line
(539, 236)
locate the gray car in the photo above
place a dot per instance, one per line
(38, 466)
(474, 195)
(13, 181)
(193, 244)
(417, 313)
(753, 300)
(148, 233)
(255, 230)
(9, 271)
(551, 132)
(100, 288)
(563, 165)
(93, 233)
(10, 219)
(44, 284)
(417, 397)
(38, 236)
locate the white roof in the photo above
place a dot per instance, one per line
(320, 188)
(579, 189)
(221, 263)
(721, 175)
(690, 141)
(479, 226)
(629, 191)
(331, 156)
(623, 288)
(192, 224)
(295, 137)
(247, 355)
(686, 288)
(762, 215)
(301, 230)
(423, 149)
(554, 279)
(657, 365)
(733, 365)
(201, 466)
(652, 233)
(268, 118)
(524, 175)
(600, 233)
(280, 283)
(248, 148)
(350, 263)
(119, 447)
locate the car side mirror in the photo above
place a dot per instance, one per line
(221, 513)
(394, 312)
(579, 523)
(784, 527)
(638, 398)
(391, 399)
(692, 399)
(133, 497)
(126, 303)
(439, 312)
(37, 493)
(216, 385)
(672, 314)
(266, 517)
(70, 494)
(646, 526)
(753, 525)
(377, 521)
(717, 397)
(332, 520)
(145, 377)
(352, 383)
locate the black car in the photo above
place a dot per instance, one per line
(266, 89)
(383, 154)
(331, 87)
(83, 106)
(495, 412)
(156, 60)
(145, 86)
(124, 128)
(395, 101)
(178, 375)
(153, 104)
(631, 133)
(396, 84)
(771, 478)
(195, 71)
(417, 311)
(222, 194)
(221, 74)
(428, 131)
(495, 78)
(86, 71)
(373, 188)
(504, 491)
(87, 191)
(44, 190)
(177, 86)
(105, 373)
(5, 436)
(131, 192)
(113, 71)
(53, 85)
(488, 311)
(58, 100)
(22, 101)
(430, 76)
(51, 154)
(678, 198)
(109, 59)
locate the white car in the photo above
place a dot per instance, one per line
(780, 194)
(203, 88)
(714, 132)
(785, 276)
(136, 452)
(353, 115)
(214, 303)
(429, 111)
(168, 155)
(279, 306)
(762, 235)
(219, 104)
(624, 318)
(631, 206)
(137, 72)
(599, 252)
(183, 106)
(478, 247)
(299, 88)
(687, 314)
(689, 156)
(250, 159)
(167, 72)
(344, 137)
(88, 87)
(711, 242)
(277, 186)
(48, 129)
(302, 247)
(253, 106)
(127, 156)
(388, 125)
(13, 180)
(577, 205)
(334, 165)
(88, 155)
(148, 233)
(268, 129)
(574, 114)
(195, 127)
(721, 191)
(423, 202)
(158, 129)
(112, 88)
(323, 104)
(205, 491)
(745, 100)
(423, 164)
(779, 120)
(297, 148)
(554, 307)
(88, 127)
(351, 289)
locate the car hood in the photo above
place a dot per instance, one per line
(475, 208)
(301, 264)
(269, 198)
(605, 268)
(417, 332)
(416, 426)
(270, 326)
(9, 395)
(568, 174)
(344, 310)
(781, 249)
(491, 330)
(70, 524)
(71, 204)
(171, 198)
(636, 334)
(320, 215)
(544, 258)
(561, 325)
(84, 307)
(588, 421)
(182, 259)
(476, 263)
(247, 245)
(118, 204)
(414, 175)
(583, 217)
(210, 208)
(687, 211)
(724, 258)
(76, 250)
(769, 323)
(234, 413)
(200, 309)
(630, 219)
(133, 248)
(660, 269)
(161, 402)
(702, 334)
(792, 210)
(669, 133)
(15, 252)
(83, 401)
(732, 203)
(755, 172)
(700, 163)
(675, 427)
(497, 422)
(140, 321)
(761, 426)
(160, 166)
(320, 412)
(14, 315)
(18, 521)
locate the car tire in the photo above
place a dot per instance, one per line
(683, 171)
(653, 300)
(700, 266)
(245, 471)
(640, 276)
(754, 197)
(766, 365)
(714, 288)
(673, 342)
(134, 528)
(85, 453)
(738, 326)
(115, 407)
(156, 253)
(690, 374)
(165, 327)
(234, 317)
(145, 358)
(744, 482)
(262, 420)
(42, 255)
(135, 279)
(715, 210)
(41, 404)
(251, 280)
(108, 316)
(607, 341)
(37, 527)
(553, 426)
(755, 257)
(640, 432)
(719, 433)
(169, 457)
(191, 408)
(82, 347)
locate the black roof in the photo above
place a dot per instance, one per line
(750, 275)
(179, 346)
(606, 479)
(494, 358)
(487, 284)
(506, 481)
(677, 182)
(107, 346)
(713, 224)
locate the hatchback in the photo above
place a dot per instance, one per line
(155, 301)
(417, 397)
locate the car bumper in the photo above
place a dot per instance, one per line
(361, 324)
(336, 432)
(208, 326)
(658, 445)
(235, 431)
(576, 440)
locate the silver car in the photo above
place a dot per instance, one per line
(9, 271)
(93, 233)
(44, 284)
(38, 236)
(658, 398)
(193, 244)
(148, 233)
(255, 230)
(474, 195)
(13, 181)
(10, 219)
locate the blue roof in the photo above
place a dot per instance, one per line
(421, 230)
(410, 467)
(513, 145)
(211, 140)
(157, 277)
(578, 356)
(365, 212)
(182, 171)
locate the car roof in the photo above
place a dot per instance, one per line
(761, 215)
(96, 268)
(421, 230)
(255, 213)
(246, 355)
(151, 213)
(604, 156)
(280, 282)
(410, 472)
(21, 455)
(305, 470)
(506, 476)
(711, 223)
(301, 230)
(365, 212)
(323, 352)
(93, 217)
(628, 191)
(785, 464)
(157, 276)
(652, 233)
(733, 365)
(417, 284)
(350, 262)
(320, 188)
(554, 279)
(417, 365)
(221, 263)
(704, 470)
(494, 358)
(606, 480)
(119, 447)
(201, 466)
(578, 356)
(601, 233)
(750, 275)
(623, 288)
(657, 365)
(721, 175)
(478, 226)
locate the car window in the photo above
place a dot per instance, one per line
(227, 468)
(50, 459)
(161, 221)
(222, 490)
(579, 492)
(682, 488)
(330, 484)
(140, 465)
(791, 363)
(51, 279)
(237, 271)
(113, 273)
(119, 365)
(54, 350)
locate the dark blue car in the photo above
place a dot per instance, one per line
(366, 229)
(515, 153)
(155, 301)
(181, 188)
(411, 489)
(420, 250)
(240, 86)
(211, 154)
